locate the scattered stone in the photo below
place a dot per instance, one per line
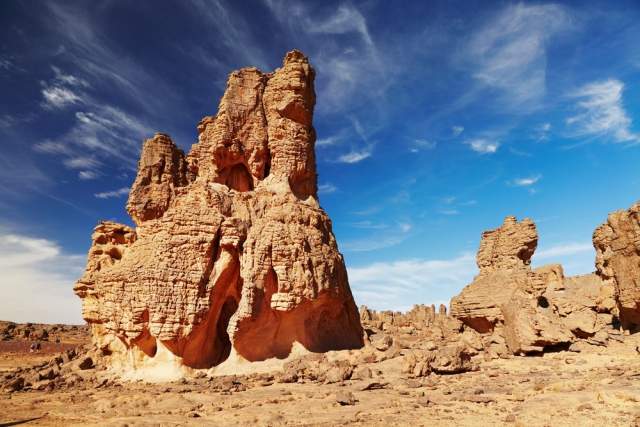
(345, 398)
(85, 363)
(373, 385)
(15, 384)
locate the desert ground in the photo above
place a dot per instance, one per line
(595, 386)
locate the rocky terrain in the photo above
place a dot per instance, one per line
(405, 375)
(32, 343)
(229, 304)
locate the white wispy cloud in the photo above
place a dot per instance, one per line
(451, 205)
(103, 132)
(397, 285)
(231, 30)
(6, 121)
(602, 113)
(58, 97)
(101, 65)
(62, 90)
(389, 236)
(68, 79)
(367, 224)
(346, 19)
(541, 132)
(88, 175)
(510, 52)
(564, 249)
(36, 284)
(329, 141)
(405, 227)
(327, 188)
(422, 144)
(449, 200)
(113, 194)
(81, 163)
(361, 145)
(525, 181)
(11, 120)
(341, 46)
(575, 257)
(5, 64)
(449, 212)
(100, 131)
(483, 146)
(355, 156)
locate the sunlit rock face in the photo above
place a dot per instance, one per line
(231, 250)
(532, 310)
(617, 244)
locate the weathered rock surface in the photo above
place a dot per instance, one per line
(504, 259)
(617, 244)
(231, 252)
(530, 310)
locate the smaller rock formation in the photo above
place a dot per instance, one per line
(530, 310)
(617, 244)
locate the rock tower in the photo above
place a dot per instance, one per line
(231, 252)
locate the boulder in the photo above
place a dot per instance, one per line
(449, 359)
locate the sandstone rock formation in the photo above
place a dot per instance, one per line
(504, 259)
(617, 244)
(531, 310)
(231, 251)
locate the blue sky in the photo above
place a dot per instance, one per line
(434, 121)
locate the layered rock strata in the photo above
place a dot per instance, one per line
(231, 250)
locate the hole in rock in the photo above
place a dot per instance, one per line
(267, 165)
(319, 326)
(239, 178)
(543, 302)
(228, 309)
(209, 344)
(115, 253)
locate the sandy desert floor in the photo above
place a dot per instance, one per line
(594, 388)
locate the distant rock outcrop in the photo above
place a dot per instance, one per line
(231, 252)
(617, 244)
(531, 309)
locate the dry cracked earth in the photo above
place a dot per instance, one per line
(598, 386)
